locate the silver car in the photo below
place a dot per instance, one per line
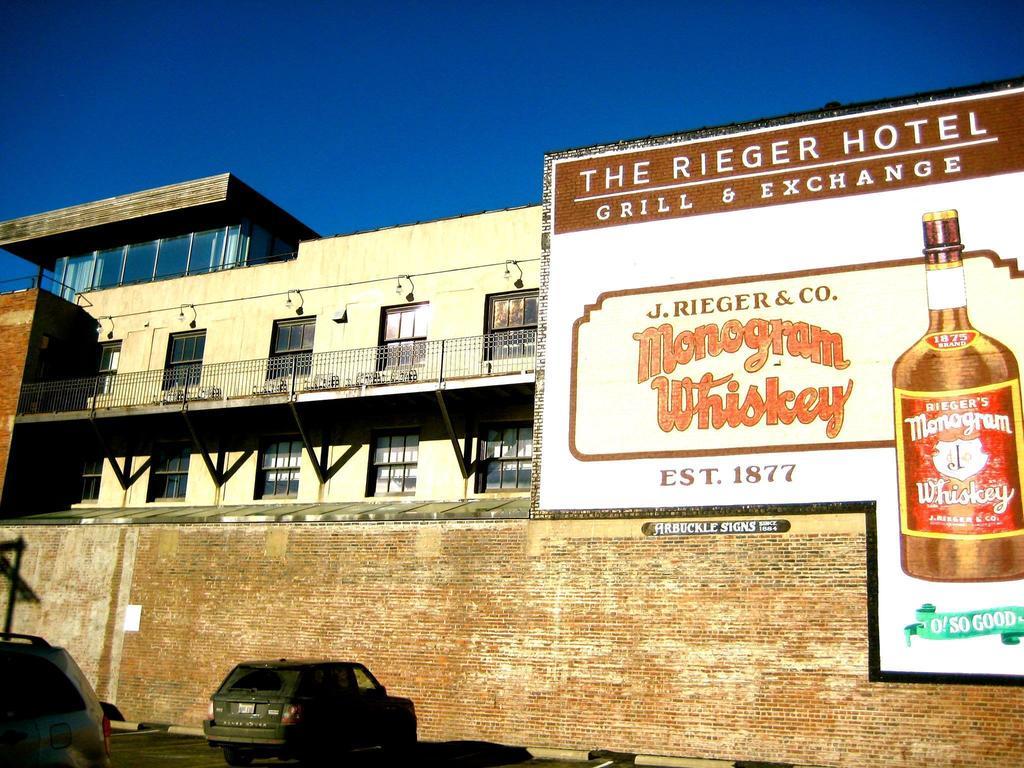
(49, 714)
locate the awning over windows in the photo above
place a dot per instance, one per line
(352, 512)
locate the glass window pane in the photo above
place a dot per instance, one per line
(383, 449)
(139, 262)
(408, 327)
(412, 448)
(78, 275)
(410, 479)
(173, 256)
(108, 267)
(509, 442)
(233, 249)
(422, 314)
(207, 251)
(530, 311)
(493, 475)
(499, 314)
(397, 449)
(393, 322)
(280, 248)
(269, 453)
(508, 474)
(383, 477)
(259, 244)
(525, 474)
(515, 312)
(525, 447)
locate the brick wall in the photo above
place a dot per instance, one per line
(564, 633)
(16, 312)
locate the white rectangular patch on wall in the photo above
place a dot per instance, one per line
(132, 618)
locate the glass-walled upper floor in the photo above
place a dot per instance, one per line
(188, 254)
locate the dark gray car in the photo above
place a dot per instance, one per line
(305, 710)
(49, 715)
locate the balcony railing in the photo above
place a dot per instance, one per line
(291, 375)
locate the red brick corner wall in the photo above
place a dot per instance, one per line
(573, 634)
(16, 314)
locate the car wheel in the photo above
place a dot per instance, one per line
(234, 756)
(404, 740)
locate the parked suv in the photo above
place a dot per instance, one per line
(49, 715)
(305, 710)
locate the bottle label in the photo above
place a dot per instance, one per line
(952, 340)
(958, 455)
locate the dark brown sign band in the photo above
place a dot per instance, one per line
(872, 152)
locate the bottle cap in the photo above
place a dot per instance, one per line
(941, 229)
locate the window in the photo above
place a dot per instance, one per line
(184, 359)
(92, 473)
(505, 456)
(168, 478)
(207, 251)
(402, 328)
(173, 256)
(292, 343)
(511, 325)
(140, 262)
(192, 253)
(278, 475)
(33, 688)
(108, 267)
(393, 467)
(365, 681)
(110, 355)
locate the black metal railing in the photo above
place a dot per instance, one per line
(28, 282)
(290, 375)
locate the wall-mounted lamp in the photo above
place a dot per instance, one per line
(99, 326)
(508, 273)
(398, 287)
(299, 301)
(181, 314)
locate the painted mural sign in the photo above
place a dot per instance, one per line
(806, 311)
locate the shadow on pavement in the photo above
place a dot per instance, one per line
(464, 754)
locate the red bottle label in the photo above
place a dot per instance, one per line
(958, 454)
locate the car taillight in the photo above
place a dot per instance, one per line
(209, 711)
(106, 734)
(292, 714)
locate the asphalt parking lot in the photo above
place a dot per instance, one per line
(159, 749)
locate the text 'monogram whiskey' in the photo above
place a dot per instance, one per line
(958, 434)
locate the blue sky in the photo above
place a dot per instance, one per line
(359, 115)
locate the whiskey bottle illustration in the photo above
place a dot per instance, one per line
(957, 402)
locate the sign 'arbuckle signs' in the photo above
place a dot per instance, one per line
(832, 157)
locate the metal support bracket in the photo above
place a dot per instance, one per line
(310, 450)
(215, 473)
(122, 474)
(459, 454)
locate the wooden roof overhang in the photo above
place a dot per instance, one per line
(161, 212)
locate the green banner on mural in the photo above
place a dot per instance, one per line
(1007, 622)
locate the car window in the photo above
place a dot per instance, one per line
(258, 679)
(316, 682)
(343, 679)
(34, 687)
(364, 682)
